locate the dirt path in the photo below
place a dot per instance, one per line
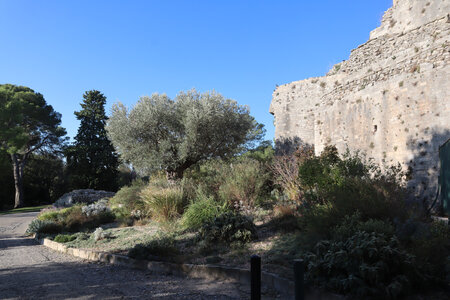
(31, 271)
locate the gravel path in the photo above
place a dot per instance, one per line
(31, 271)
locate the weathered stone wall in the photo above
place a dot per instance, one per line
(389, 99)
(409, 14)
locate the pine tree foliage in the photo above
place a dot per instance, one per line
(91, 160)
(27, 125)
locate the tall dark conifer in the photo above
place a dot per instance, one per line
(91, 160)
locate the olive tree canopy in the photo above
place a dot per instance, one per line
(172, 135)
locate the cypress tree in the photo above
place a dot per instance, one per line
(91, 160)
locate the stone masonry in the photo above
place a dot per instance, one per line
(390, 99)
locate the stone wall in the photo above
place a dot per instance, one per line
(389, 99)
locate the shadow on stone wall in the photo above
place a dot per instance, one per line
(424, 165)
(287, 146)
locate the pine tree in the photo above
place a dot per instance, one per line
(91, 160)
(28, 125)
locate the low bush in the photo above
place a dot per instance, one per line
(228, 227)
(243, 185)
(208, 176)
(285, 171)
(122, 216)
(162, 246)
(163, 204)
(64, 238)
(128, 197)
(202, 210)
(43, 227)
(284, 218)
(366, 265)
(73, 219)
(97, 208)
(49, 215)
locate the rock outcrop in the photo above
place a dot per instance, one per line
(87, 196)
(390, 99)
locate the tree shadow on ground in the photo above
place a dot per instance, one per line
(6, 242)
(97, 281)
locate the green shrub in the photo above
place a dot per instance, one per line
(128, 197)
(43, 227)
(243, 185)
(123, 216)
(364, 265)
(209, 176)
(349, 180)
(204, 209)
(163, 204)
(228, 227)
(161, 246)
(334, 187)
(319, 219)
(374, 199)
(64, 238)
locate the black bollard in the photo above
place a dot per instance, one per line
(299, 271)
(255, 270)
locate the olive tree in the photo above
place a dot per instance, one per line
(159, 133)
(27, 125)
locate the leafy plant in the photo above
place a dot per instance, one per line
(353, 223)
(228, 227)
(430, 242)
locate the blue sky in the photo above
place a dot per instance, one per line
(127, 49)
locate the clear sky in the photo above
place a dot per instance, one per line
(127, 49)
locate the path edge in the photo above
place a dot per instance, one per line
(269, 281)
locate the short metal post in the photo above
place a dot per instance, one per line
(299, 272)
(255, 270)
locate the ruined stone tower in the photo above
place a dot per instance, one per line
(390, 99)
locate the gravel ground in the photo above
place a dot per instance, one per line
(31, 271)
